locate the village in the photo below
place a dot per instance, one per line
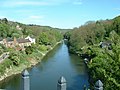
(21, 42)
(18, 44)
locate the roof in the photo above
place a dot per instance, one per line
(106, 42)
(9, 39)
(22, 40)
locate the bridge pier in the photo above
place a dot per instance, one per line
(61, 85)
(26, 80)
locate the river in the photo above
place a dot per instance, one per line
(44, 75)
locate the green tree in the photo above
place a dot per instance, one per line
(15, 58)
(29, 50)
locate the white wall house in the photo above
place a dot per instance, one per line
(32, 40)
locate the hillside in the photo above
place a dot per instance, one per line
(99, 42)
(18, 52)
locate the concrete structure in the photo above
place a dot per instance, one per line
(26, 80)
(61, 85)
(98, 85)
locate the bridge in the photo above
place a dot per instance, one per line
(61, 84)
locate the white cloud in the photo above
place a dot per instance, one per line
(19, 3)
(117, 9)
(36, 17)
(24, 3)
(77, 2)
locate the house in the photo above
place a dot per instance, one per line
(21, 42)
(8, 42)
(32, 40)
(106, 44)
(18, 27)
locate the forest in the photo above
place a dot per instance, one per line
(99, 42)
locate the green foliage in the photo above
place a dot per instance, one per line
(14, 57)
(45, 36)
(116, 25)
(4, 65)
(3, 30)
(88, 34)
(104, 63)
(2, 49)
(114, 37)
(105, 66)
(29, 50)
(4, 20)
(42, 48)
(49, 37)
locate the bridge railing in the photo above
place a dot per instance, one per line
(61, 84)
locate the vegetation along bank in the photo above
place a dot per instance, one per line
(22, 46)
(98, 43)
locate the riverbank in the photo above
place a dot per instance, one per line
(55, 64)
(13, 70)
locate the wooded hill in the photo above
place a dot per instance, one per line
(9, 29)
(46, 38)
(99, 42)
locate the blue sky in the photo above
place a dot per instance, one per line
(59, 13)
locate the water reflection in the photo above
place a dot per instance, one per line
(12, 83)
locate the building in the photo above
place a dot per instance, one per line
(106, 44)
(21, 42)
(18, 27)
(32, 40)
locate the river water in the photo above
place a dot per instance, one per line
(45, 75)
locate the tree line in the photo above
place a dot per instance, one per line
(103, 62)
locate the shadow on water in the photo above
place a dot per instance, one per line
(81, 78)
(78, 83)
(78, 63)
(12, 82)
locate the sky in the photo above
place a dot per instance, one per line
(58, 13)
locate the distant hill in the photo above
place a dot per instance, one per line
(43, 34)
(16, 29)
